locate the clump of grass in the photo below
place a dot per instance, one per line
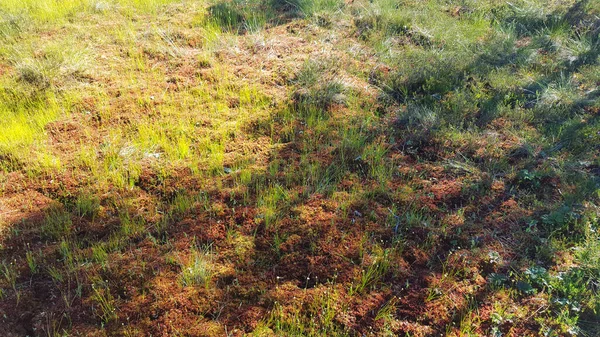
(105, 306)
(373, 273)
(243, 180)
(321, 97)
(57, 224)
(557, 94)
(119, 163)
(313, 317)
(419, 118)
(350, 151)
(588, 254)
(305, 8)
(132, 225)
(11, 25)
(31, 262)
(227, 15)
(198, 270)
(22, 135)
(43, 10)
(87, 158)
(381, 20)
(182, 203)
(317, 90)
(10, 274)
(432, 78)
(53, 66)
(270, 201)
(379, 167)
(50, 11)
(418, 124)
(87, 205)
(238, 16)
(99, 254)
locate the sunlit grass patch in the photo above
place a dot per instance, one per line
(49, 11)
(11, 26)
(198, 270)
(313, 316)
(45, 10)
(54, 65)
(104, 305)
(22, 135)
(270, 201)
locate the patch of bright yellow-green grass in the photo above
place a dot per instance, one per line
(57, 10)
(38, 90)
(190, 126)
(22, 134)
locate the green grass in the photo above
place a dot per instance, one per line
(9, 277)
(57, 224)
(104, 302)
(53, 11)
(317, 320)
(198, 271)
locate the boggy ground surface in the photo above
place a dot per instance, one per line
(299, 168)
